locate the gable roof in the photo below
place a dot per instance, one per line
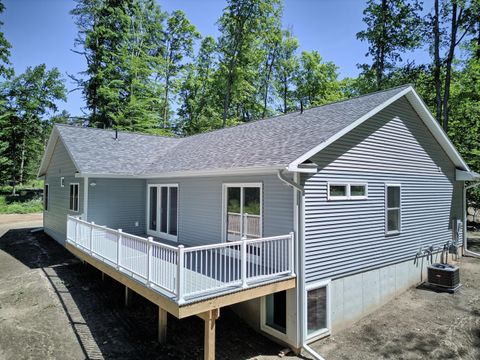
(279, 142)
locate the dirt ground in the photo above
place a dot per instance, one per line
(54, 307)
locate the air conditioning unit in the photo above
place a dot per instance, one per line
(444, 276)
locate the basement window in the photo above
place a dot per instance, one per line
(74, 195)
(317, 310)
(393, 213)
(347, 191)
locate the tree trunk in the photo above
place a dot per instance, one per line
(285, 92)
(22, 163)
(437, 64)
(448, 65)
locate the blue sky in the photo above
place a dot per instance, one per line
(44, 32)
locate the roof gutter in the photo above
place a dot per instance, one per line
(289, 182)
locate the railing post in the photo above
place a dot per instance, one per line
(119, 249)
(149, 260)
(76, 232)
(245, 225)
(90, 239)
(291, 255)
(243, 262)
(180, 274)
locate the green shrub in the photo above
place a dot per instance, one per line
(26, 207)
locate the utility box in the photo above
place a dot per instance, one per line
(444, 275)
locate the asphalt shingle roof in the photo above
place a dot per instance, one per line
(275, 141)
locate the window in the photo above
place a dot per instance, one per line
(45, 198)
(392, 209)
(317, 309)
(347, 191)
(74, 195)
(242, 211)
(276, 311)
(163, 211)
(62, 181)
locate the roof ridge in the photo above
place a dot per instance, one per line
(119, 131)
(299, 112)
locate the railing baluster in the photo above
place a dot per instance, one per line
(119, 249)
(149, 259)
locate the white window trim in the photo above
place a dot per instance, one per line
(62, 181)
(263, 319)
(321, 332)
(394, 232)
(159, 233)
(78, 201)
(225, 186)
(347, 185)
(46, 200)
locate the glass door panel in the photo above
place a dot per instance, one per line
(234, 217)
(172, 223)
(164, 209)
(251, 212)
(243, 212)
(152, 211)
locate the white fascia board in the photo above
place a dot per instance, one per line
(47, 155)
(436, 130)
(294, 164)
(461, 175)
(227, 172)
(421, 110)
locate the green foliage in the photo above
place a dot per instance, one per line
(27, 207)
(28, 99)
(316, 81)
(393, 27)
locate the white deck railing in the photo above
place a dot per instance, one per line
(186, 273)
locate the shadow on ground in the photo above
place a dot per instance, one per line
(105, 328)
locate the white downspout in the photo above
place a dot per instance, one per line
(299, 225)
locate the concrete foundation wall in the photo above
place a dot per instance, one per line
(355, 296)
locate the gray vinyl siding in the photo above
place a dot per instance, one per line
(346, 237)
(200, 206)
(118, 204)
(55, 219)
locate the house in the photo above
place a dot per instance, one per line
(304, 222)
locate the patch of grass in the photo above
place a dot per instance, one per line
(27, 207)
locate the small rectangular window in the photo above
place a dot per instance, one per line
(317, 310)
(45, 198)
(393, 209)
(62, 181)
(74, 195)
(347, 191)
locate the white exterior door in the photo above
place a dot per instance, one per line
(162, 214)
(242, 211)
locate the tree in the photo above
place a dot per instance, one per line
(198, 111)
(285, 69)
(450, 23)
(243, 27)
(178, 41)
(316, 82)
(5, 66)
(393, 27)
(29, 98)
(120, 40)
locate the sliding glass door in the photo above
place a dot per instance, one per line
(242, 211)
(162, 217)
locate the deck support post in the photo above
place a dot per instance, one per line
(209, 319)
(128, 296)
(162, 325)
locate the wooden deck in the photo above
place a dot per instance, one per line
(186, 281)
